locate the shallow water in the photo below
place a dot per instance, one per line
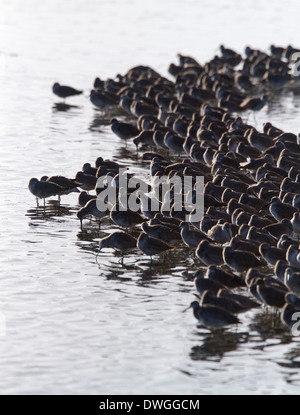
(77, 326)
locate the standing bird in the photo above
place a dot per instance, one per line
(43, 190)
(211, 316)
(125, 218)
(151, 246)
(254, 104)
(240, 260)
(68, 185)
(90, 209)
(123, 130)
(209, 254)
(121, 241)
(64, 91)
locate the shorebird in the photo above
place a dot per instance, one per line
(123, 130)
(254, 104)
(148, 206)
(68, 185)
(285, 242)
(221, 233)
(145, 137)
(125, 218)
(43, 189)
(102, 99)
(224, 303)
(260, 222)
(152, 246)
(209, 254)
(121, 241)
(271, 254)
(228, 280)
(293, 256)
(90, 209)
(296, 223)
(203, 284)
(284, 227)
(164, 233)
(270, 295)
(206, 223)
(277, 51)
(84, 198)
(211, 316)
(280, 269)
(292, 280)
(88, 169)
(291, 298)
(260, 235)
(241, 299)
(239, 260)
(191, 237)
(174, 142)
(290, 314)
(108, 164)
(85, 181)
(239, 243)
(64, 91)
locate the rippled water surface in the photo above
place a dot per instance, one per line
(77, 326)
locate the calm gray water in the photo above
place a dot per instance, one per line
(75, 326)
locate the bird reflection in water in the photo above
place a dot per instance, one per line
(291, 360)
(62, 107)
(217, 344)
(52, 210)
(268, 326)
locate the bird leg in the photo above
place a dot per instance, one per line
(151, 261)
(254, 118)
(98, 253)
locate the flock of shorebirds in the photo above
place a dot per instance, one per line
(193, 126)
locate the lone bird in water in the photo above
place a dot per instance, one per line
(64, 91)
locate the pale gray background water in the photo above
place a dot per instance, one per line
(73, 326)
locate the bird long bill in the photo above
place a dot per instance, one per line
(186, 309)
